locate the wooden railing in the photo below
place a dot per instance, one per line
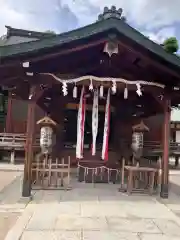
(15, 141)
(157, 147)
(47, 174)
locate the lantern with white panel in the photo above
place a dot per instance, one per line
(137, 138)
(47, 137)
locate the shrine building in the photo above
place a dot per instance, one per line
(98, 98)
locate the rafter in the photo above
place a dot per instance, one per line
(150, 60)
(43, 57)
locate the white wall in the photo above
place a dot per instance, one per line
(178, 136)
(175, 115)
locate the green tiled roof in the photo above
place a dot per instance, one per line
(27, 33)
(112, 23)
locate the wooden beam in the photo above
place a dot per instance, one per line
(75, 106)
(38, 94)
(150, 60)
(52, 55)
(51, 109)
(159, 99)
(8, 81)
(30, 133)
(166, 140)
(136, 74)
(16, 71)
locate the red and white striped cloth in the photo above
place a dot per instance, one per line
(80, 125)
(94, 121)
(106, 129)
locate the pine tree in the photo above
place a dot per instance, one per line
(171, 45)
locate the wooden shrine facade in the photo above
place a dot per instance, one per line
(44, 70)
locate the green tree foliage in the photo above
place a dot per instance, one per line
(171, 45)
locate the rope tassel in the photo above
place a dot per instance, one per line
(125, 93)
(91, 85)
(75, 92)
(118, 80)
(64, 89)
(101, 92)
(138, 91)
(114, 87)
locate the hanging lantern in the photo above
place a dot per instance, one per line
(46, 134)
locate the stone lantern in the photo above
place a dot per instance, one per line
(47, 127)
(137, 138)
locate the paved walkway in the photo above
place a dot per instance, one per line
(87, 212)
(11, 167)
(6, 178)
(9, 196)
(98, 211)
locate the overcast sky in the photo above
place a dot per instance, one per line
(156, 18)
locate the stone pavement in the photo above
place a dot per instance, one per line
(7, 220)
(99, 211)
(6, 178)
(9, 196)
(11, 167)
(87, 212)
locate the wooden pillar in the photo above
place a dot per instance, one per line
(8, 126)
(176, 160)
(12, 157)
(166, 141)
(30, 133)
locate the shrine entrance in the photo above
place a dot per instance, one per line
(51, 169)
(124, 79)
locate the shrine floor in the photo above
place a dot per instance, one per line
(89, 212)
